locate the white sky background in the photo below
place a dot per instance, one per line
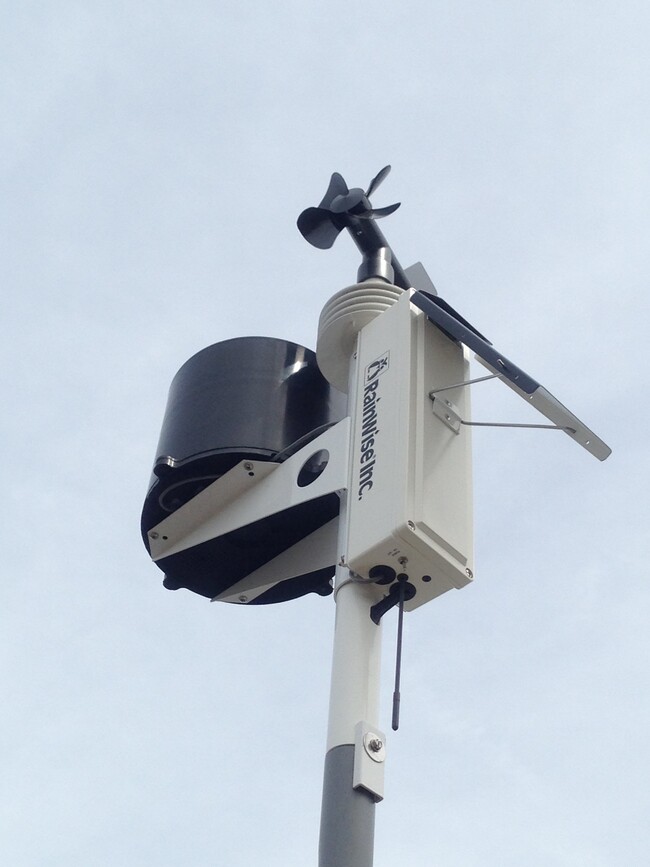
(155, 159)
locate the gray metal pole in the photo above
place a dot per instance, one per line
(347, 829)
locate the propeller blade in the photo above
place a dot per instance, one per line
(317, 226)
(379, 178)
(377, 213)
(337, 187)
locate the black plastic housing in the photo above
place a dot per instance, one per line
(249, 398)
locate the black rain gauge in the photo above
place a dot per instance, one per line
(344, 472)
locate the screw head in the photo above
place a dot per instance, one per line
(469, 573)
(243, 598)
(402, 561)
(248, 465)
(410, 525)
(374, 746)
(153, 535)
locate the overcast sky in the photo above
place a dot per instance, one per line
(155, 157)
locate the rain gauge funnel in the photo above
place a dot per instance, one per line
(241, 404)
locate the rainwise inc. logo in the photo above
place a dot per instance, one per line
(377, 367)
(367, 455)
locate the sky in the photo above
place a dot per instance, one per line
(155, 159)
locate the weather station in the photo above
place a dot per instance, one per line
(345, 472)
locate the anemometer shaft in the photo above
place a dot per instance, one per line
(375, 249)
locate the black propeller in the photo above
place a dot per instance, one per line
(339, 210)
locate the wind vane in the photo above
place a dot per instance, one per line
(279, 469)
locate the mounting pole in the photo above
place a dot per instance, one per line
(348, 813)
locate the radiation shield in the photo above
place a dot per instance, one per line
(410, 485)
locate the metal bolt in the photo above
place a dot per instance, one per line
(153, 535)
(376, 745)
(403, 561)
(248, 465)
(243, 598)
(410, 525)
(469, 573)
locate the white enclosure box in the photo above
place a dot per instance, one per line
(410, 487)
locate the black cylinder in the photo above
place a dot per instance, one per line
(249, 398)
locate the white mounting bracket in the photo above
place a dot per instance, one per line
(369, 759)
(459, 330)
(447, 412)
(251, 491)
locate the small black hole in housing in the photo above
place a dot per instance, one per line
(312, 468)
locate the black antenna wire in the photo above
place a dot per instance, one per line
(398, 661)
